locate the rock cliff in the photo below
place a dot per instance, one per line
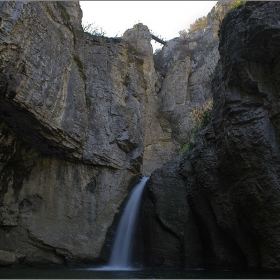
(78, 126)
(217, 205)
(185, 67)
(81, 118)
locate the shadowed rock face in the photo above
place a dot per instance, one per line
(229, 181)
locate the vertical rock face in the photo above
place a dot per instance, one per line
(185, 68)
(230, 178)
(157, 132)
(78, 125)
(81, 117)
(169, 232)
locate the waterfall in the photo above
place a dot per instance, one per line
(121, 253)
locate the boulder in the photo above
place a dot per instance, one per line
(10, 258)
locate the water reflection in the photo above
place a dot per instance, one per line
(93, 273)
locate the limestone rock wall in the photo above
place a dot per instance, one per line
(158, 146)
(78, 125)
(227, 185)
(52, 210)
(81, 118)
(185, 67)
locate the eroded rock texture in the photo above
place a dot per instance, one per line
(81, 117)
(185, 68)
(77, 112)
(227, 186)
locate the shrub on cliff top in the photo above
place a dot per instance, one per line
(238, 4)
(200, 23)
(94, 30)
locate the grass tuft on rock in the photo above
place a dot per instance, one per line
(64, 13)
(80, 65)
(88, 101)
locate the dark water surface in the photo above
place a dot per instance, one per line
(55, 273)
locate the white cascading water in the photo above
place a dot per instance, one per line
(121, 253)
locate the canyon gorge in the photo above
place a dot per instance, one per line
(84, 117)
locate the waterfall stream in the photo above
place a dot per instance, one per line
(121, 252)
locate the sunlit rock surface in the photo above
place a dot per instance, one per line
(185, 67)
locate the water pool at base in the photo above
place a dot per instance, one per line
(55, 273)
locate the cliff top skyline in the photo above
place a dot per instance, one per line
(164, 18)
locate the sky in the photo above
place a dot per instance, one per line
(163, 18)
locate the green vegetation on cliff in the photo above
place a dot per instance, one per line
(80, 65)
(202, 115)
(64, 13)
